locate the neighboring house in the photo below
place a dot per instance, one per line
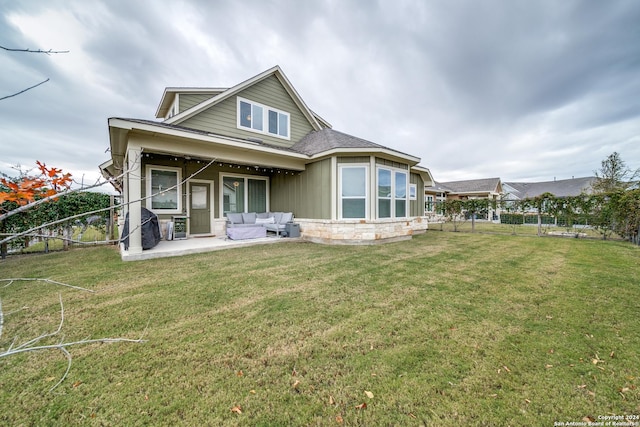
(272, 153)
(487, 188)
(559, 188)
(434, 197)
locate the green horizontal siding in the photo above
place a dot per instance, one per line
(188, 100)
(222, 118)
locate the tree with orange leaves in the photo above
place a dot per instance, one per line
(27, 189)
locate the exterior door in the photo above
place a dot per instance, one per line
(200, 212)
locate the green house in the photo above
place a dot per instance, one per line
(258, 147)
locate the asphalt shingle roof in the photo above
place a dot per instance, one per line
(559, 188)
(326, 139)
(471, 186)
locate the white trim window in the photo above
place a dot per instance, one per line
(164, 189)
(392, 187)
(256, 117)
(429, 205)
(243, 193)
(413, 191)
(353, 182)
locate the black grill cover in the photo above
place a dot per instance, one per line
(150, 230)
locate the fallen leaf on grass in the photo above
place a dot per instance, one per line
(582, 386)
(527, 401)
(363, 405)
(252, 391)
(237, 409)
(49, 379)
(590, 393)
(412, 416)
(506, 369)
(240, 373)
(296, 384)
(588, 419)
(369, 394)
(331, 401)
(339, 419)
(548, 366)
(624, 389)
(76, 384)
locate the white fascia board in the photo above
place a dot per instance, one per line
(170, 93)
(217, 139)
(425, 173)
(369, 151)
(297, 98)
(216, 99)
(241, 86)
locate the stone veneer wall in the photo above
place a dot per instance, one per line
(361, 232)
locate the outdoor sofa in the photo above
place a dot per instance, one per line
(252, 225)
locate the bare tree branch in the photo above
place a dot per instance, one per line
(62, 346)
(24, 90)
(49, 224)
(1, 318)
(47, 52)
(53, 282)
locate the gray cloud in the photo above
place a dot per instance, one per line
(516, 89)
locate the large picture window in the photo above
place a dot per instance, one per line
(164, 189)
(244, 194)
(392, 193)
(260, 118)
(353, 191)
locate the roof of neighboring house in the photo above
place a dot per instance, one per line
(485, 185)
(559, 188)
(324, 140)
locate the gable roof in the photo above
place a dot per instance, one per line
(311, 117)
(485, 185)
(559, 188)
(169, 95)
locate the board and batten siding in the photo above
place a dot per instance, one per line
(222, 118)
(307, 194)
(188, 100)
(416, 207)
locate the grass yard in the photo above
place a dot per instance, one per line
(519, 229)
(448, 329)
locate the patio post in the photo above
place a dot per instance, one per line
(134, 181)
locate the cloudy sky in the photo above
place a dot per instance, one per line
(521, 90)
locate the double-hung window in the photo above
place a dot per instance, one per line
(164, 191)
(256, 117)
(392, 193)
(353, 184)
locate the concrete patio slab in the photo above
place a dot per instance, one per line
(194, 245)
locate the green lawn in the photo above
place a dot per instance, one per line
(447, 329)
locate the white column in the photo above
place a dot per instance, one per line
(335, 191)
(134, 179)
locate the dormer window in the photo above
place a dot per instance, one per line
(260, 118)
